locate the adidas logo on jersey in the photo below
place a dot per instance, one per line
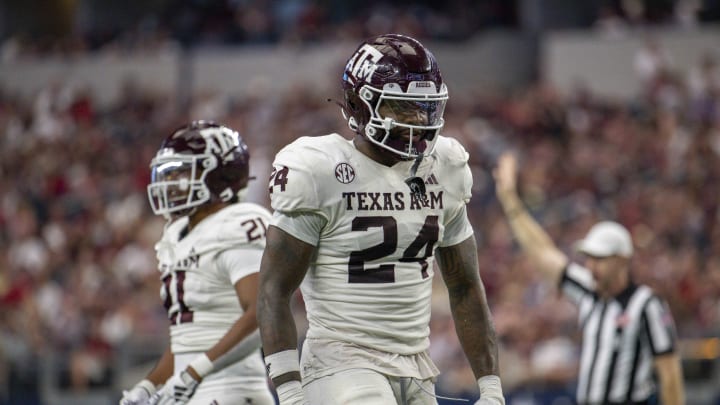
(431, 179)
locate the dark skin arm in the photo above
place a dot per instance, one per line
(163, 368)
(246, 289)
(470, 311)
(284, 264)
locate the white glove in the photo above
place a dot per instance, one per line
(177, 390)
(291, 393)
(157, 397)
(139, 394)
(162, 397)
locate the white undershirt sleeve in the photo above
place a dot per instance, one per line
(305, 226)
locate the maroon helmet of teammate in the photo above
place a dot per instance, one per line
(199, 163)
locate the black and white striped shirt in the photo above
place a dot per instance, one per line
(621, 336)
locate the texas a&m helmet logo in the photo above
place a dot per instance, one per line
(364, 63)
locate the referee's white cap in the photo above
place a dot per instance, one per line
(605, 239)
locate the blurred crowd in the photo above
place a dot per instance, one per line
(77, 265)
(68, 28)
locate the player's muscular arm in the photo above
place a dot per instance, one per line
(473, 324)
(532, 238)
(284, 264)
(163, 368)
(242, 338)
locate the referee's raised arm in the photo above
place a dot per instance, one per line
(534, 241)
(627, 329)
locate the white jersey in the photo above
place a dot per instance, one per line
(199, 270)
(370, 282)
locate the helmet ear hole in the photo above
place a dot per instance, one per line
(226, 195)
(224, 183)
(210, 162)
(366, 94)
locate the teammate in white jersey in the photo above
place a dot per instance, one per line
(208, 257)
(358, 223)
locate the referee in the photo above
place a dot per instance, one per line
(627, 329)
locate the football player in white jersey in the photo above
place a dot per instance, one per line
(358, 225)
(208, 258)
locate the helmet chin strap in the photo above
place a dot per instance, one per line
(181, 213)
(417, 184)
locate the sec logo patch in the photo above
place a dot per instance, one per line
(344, 173)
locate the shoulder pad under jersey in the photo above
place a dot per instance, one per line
(236, 224)
(453, 159)
(298, 182)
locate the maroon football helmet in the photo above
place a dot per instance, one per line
(395, 95)
(200, 162)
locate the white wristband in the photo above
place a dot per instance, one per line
(282, 362)
(490, 387)
(291, 393)
(148, 386)
(202, 365)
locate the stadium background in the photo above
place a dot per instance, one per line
(614, 107)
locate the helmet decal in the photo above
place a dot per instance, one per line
(364, 62)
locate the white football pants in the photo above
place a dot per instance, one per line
(231, 397)
(368, 387)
